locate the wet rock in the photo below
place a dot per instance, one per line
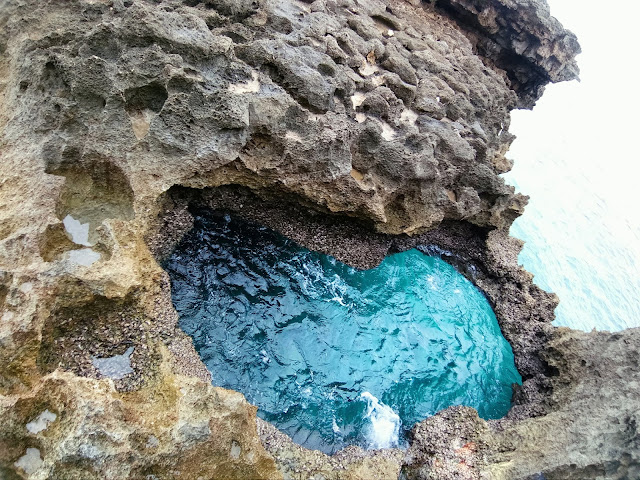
(448, 445)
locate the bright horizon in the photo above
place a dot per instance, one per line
(576, 155)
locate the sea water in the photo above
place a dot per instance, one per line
(577, 156)
(330, 354)
(581, 226)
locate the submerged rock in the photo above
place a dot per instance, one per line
(345, 125)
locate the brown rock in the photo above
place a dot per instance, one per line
(355, 128)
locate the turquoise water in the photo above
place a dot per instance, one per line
(333, 355)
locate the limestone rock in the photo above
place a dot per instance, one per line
(177, 427)
(522, 38)
(356, 128)
(384, 110)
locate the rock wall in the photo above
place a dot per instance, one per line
(357, 127)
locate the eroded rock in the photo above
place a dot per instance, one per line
(355, 128)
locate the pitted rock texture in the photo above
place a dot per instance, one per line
(520, 37)
(387, 118)
(156, 432)
(374, 109)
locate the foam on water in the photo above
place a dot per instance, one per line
(384, 431)
(331, 355)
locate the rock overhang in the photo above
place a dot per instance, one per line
(521, 38)
(394, 113)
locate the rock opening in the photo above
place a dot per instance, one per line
(332, 355)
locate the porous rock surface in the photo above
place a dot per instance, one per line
(356, 127)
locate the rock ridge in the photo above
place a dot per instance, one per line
(520, 37)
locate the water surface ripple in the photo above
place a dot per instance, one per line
(333, 355)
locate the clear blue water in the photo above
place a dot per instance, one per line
(333, 355)
(577, 156)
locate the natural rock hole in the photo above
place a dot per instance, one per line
(331, 355)
(98, 338)
(142, 104)
(95, 189)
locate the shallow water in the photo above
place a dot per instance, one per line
(333, 355)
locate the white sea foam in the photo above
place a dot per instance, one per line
(340, 300)
(384, 430)
(265, 356)
(335, 427)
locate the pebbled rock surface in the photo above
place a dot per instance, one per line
(356, 127)
(378, 110)
(544, 50)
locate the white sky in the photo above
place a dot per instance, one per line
(596, 122)
(577, 152)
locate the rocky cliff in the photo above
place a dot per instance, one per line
(355, 127)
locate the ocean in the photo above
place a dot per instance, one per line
(577, 157)
(582, 230)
